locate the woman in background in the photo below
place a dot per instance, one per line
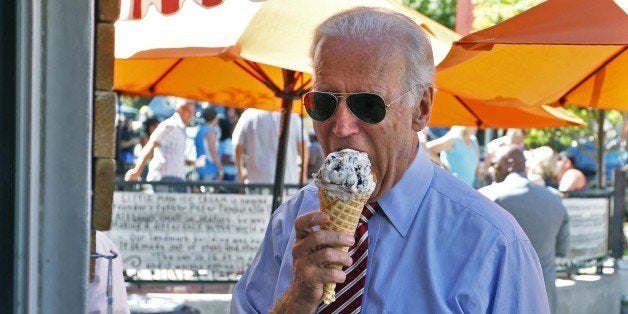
(459, 152)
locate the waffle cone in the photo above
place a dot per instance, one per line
(344, 218)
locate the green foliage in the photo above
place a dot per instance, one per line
(487, 13)
(561, 138)
(442, 11)
(134, 101)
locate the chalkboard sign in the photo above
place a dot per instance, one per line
(588, 227)
(218, 233)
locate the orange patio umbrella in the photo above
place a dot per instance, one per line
(239, 53)
(236, 53)
(247, 54)
(558, 52)
(449, 109)
(243, 62)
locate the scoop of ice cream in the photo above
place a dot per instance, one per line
(345, 174)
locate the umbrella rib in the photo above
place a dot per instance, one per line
(258, 73)
(302, 89)
(563, 99)
(292, 77)
(478, 122)
(151, 88)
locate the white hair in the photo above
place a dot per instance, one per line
(180, 102)
(373, 24)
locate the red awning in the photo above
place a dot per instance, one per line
(136, 9)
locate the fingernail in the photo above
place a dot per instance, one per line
(349, 239)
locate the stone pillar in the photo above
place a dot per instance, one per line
(104, 133)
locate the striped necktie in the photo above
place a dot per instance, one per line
(349, 294)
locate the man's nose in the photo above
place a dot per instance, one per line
(345, 123)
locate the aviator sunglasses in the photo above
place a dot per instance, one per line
(368, 107)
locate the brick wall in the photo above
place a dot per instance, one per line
(103, 151)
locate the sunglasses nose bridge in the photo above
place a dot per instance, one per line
(343, 112)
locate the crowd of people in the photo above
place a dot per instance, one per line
(209, 143)
(241, 146)
(471, 229)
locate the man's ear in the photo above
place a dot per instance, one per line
(422, 111)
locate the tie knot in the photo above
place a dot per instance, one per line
(368, 211)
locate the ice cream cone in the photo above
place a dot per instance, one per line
(344, 217)
(345, 183)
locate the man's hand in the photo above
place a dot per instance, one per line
(132, 175)
(312, 252)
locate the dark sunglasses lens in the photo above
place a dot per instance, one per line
(320, 106)
(369, 108)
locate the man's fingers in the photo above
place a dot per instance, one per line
(322, 239)
(305, 223)
(328, 256)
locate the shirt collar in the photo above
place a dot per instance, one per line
(515, 177)
(178, 121)
(402, 202)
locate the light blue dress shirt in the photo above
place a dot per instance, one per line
(437, 246)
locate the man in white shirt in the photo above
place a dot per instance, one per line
(255, 142)
(167, 148)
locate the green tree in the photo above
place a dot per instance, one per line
(442, 11)
(487, 13)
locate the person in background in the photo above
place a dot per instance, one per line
(428, 243)
(167, 146)
(569, 178)
(208, 163)
(541, 165)
(225, 147)
(459, 152)
(127, 138)
(255, 141)
(316, 155)
(539, 211)
(546, 167)
(97, 298)
(148, 127)
(514, 137)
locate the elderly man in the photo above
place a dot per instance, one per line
(433, 244)
(167, 148)
(539, 211)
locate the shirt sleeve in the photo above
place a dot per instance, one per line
(255, 290)
(160, 135)
(516, 284)
(562, 240)
(238, 136)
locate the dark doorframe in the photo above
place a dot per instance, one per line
(8, 156)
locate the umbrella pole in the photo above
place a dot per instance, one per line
(286, 112)
(601, 178)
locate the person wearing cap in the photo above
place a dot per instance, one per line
(569, 178)
(208, 163)
(546, 167)
(167, 147)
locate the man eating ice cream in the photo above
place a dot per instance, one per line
(425, 242)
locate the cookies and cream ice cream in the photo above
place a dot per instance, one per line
(345, 174)
(345, 183)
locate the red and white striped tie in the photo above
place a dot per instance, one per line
(349, 294)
